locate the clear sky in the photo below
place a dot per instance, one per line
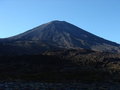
(100, 17)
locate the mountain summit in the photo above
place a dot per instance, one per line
(61, 34)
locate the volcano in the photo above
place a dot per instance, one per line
(56, 35)
(59, 52)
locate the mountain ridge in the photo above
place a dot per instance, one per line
(62, 34)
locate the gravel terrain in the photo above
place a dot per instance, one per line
(58, 86)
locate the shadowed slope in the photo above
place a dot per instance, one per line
(62, 34)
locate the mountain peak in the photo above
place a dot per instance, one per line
(57, 22)
(62, 34)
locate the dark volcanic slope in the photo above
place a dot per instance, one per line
(62, 34)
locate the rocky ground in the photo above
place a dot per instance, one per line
(61, 66)
(58, 86)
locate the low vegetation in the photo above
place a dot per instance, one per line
(63, 65)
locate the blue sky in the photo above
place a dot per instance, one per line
(100, 17)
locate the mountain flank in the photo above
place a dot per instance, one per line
(59, 52)
(56, 35)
